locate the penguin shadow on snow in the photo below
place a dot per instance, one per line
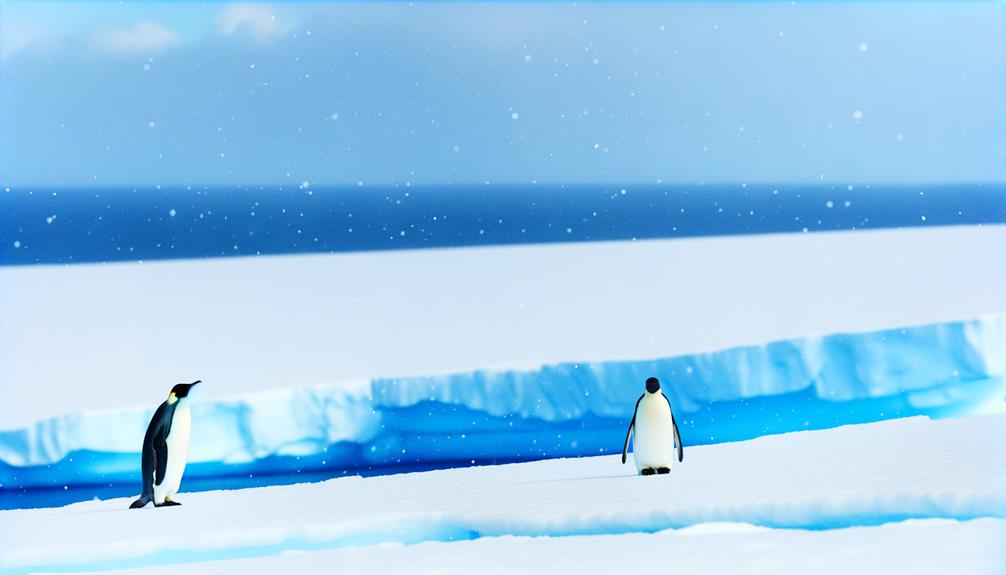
(588, 478)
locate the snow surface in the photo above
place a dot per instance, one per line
(557, 410)
(120, 335)
(930, 546)
(860, 475)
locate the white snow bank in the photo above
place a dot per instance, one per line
(854, 475)
(920, 547)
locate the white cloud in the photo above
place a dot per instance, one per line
(143, 38)
(17, 37)
(256, 20)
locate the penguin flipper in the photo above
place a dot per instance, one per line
(677, 439)
(625, 448)
(161, 450)
(159, 443)
(677, 436)
(628, 434)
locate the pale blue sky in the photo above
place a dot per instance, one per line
(214, 93)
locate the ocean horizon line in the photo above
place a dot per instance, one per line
(47, 225)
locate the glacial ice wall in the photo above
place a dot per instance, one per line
(558, 410)
(838, 367)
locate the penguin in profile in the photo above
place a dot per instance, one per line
(166, 448)
(656, 432)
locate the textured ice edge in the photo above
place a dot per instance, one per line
(557, 410)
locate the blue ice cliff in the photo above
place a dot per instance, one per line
(560, 410)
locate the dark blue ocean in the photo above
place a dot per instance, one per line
(65, 226)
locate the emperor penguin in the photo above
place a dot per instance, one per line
(166, 448)
(656, 432)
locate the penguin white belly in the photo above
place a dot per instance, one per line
(178, 453)
(653, 442)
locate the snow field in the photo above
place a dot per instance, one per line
(922, 547)
(861, 475)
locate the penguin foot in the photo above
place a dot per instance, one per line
(663, 470)
(647, 471)
(167, 503)
(139, 503)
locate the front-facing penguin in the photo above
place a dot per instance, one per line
(656, 432)
(166, 448)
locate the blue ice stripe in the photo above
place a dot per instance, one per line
(60, 226)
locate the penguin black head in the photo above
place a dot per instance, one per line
(652, 385)
(182, 389)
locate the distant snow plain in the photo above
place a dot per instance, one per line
(91, 337)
